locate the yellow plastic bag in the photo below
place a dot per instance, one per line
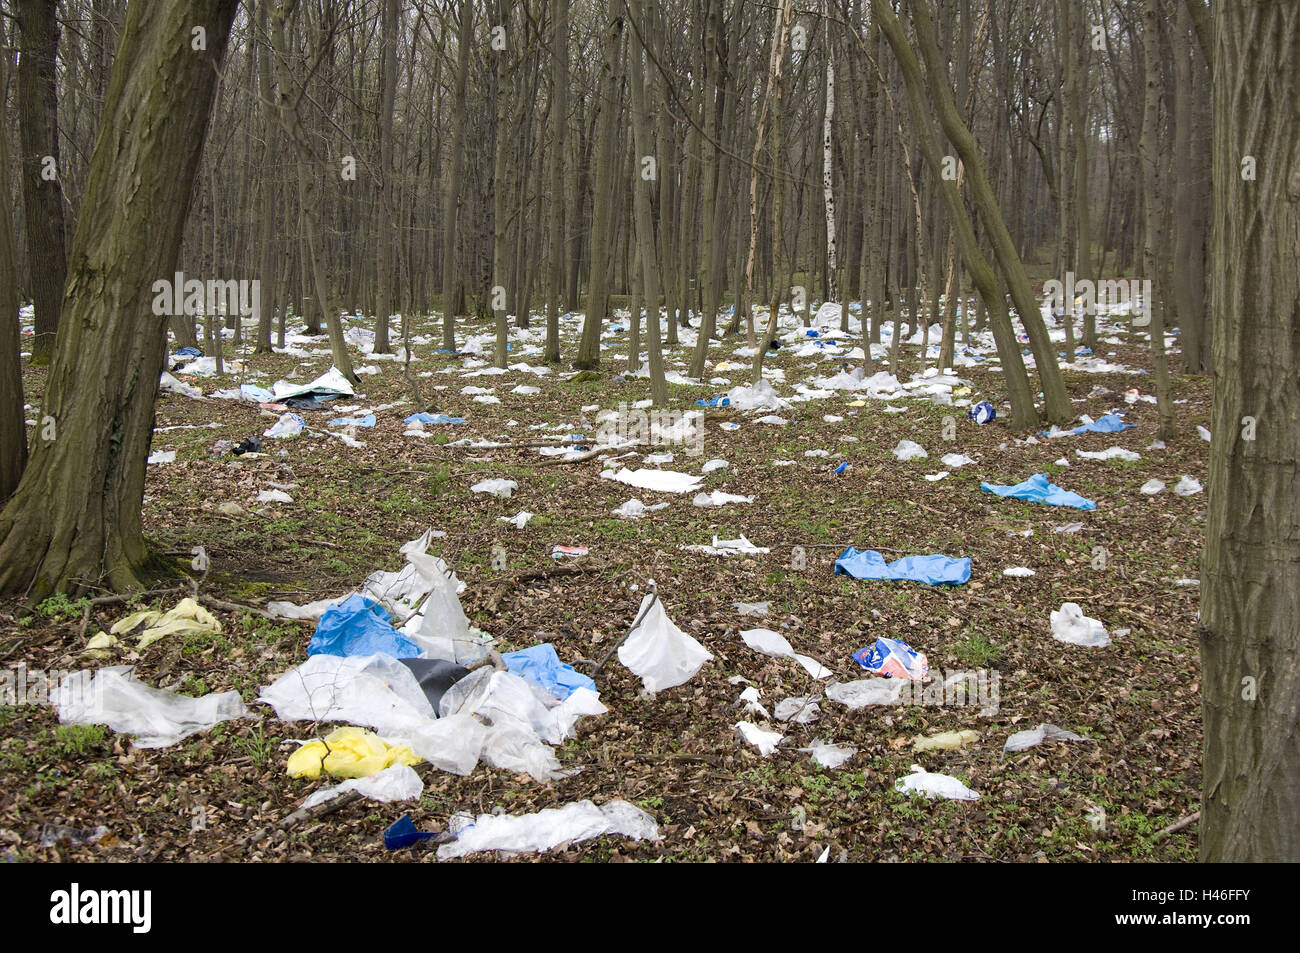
(351, 753)
(188, 617)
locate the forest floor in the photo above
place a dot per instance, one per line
(674, 754)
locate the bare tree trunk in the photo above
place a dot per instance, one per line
(1250, 589)
(38, 115)
(13, 426)
(452, 287)
(559, 121)
(385, 204)
(75, 518)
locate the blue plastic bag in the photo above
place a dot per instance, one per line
(1107, 423)
(404, 833)
(540, 664)
(982, 412)
(357, 627)
(1037, 489)
(367, 421)
(715, 402)
(892, 658)
(423, 418)
(934, 570)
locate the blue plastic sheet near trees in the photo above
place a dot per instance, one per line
(1037, 489)
(935, 570)
(358, 626)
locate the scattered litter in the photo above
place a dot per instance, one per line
(934, 785)
(348, 752)
(1107, 423)
(750, 698)
(273, 496)
(658, 651)
(662, 481)
(718, 498)
(955, 460)
(907, 450)
(1038, 489)
(635, 509)
(1153, 486)
(396, 783)
(229, 508)
(403, 833)
(501, 488)
(55, 834)
(551, 827)
(247, 445)
(867, 691)
(187, 618)
(1188, 486)
(713, 465)
(114, 697)
(1205, 434)
(934, 570)
(571, 552)
(424, 418)
(173, 386)
(289, 425)
(801, 711)
(162, 456)
(519, 520)
(945, 741)
(1067, 528)
(752, 608)
(776, 645)
(1019, 571)
(729, 547)
(330, 384)
(1110, 453)
(1069, 624)
(367, 421)
(1035, 736)
(982, 412)
(935, 477)
(359, 627)
(892, 658)
(841, 468)
(829, 755)
(765, 741)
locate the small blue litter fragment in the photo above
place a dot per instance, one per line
(367, 421)
(934, 570)
(715, 402)
(403, 833)
(1037, 489)
(540, 664)
(1083, 350)
(423, 418)
(842, 467)
(357, 627)
(811, 333)
(189, 351)
(982, 412)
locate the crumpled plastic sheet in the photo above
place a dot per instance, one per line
(892, 658)
(867, 691)
(934, 785)
(762, 396)
(357, 626)
(114, 697)
(347, 752)
(398, 783)
(289, 425)
(935, 570)
(798, 709)
(1069, 624)
(1107, 423)
(660, 481)
(188, 617)
(549, 828)
(1036, 736)
(542, 665)
(829, 755)
(331, 382)
(776, 645)
(909, 450)
(658, 651)
(764, 741)
(172, 385)
(497, 487)
(1038, 489)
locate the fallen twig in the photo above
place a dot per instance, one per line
(1174, 828)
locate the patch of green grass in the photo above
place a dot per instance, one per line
(976, 649)
(59, 608)
(256, 745)
(75, 741)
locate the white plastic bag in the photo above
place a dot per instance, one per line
(764, 741)
(1069, 624)
(867, 691)
(114, 697)
(1036, 736)
(659, 652)
(549, 828)
(775, 644)
(934, 785)
(396, 783)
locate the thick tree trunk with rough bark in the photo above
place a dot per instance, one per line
(13, 426)
(38, 121)
(1250, 575)
(75, 519)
